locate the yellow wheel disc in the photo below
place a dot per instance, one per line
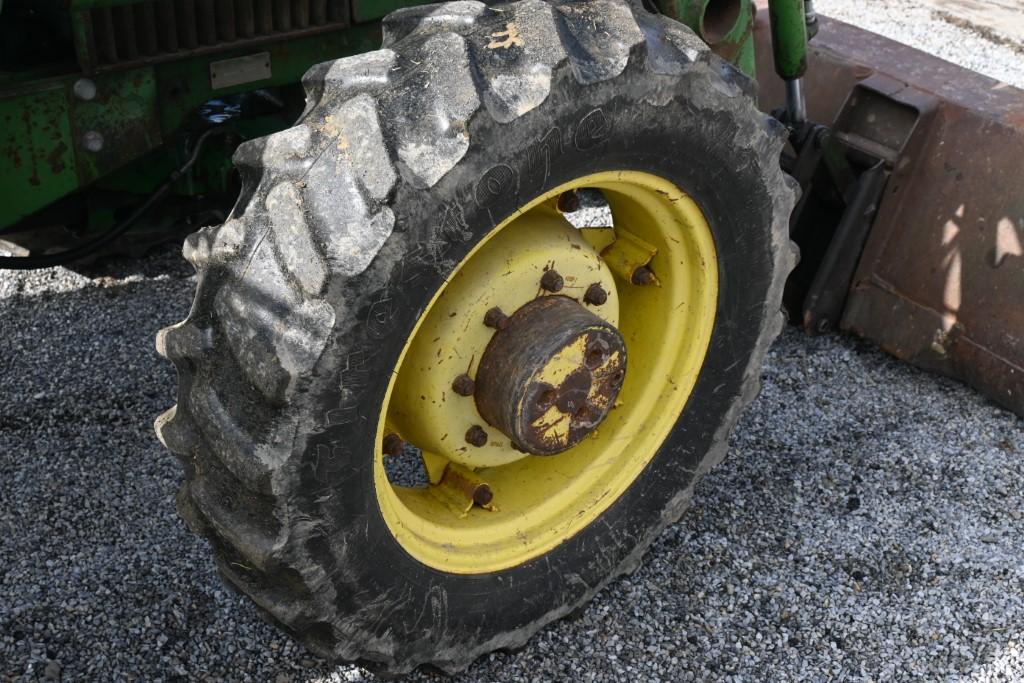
(666, 324)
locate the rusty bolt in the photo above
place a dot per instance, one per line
(551, 281)
(546, 398)
(642, 276)
(393, 444)
(476, 436)
(595, 295)
(595, 356)
(494, 317)
(464, 385)
(568, 202)
(482, 495)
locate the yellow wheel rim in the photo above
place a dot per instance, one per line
(541, 501)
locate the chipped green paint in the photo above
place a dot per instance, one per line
(37, 162)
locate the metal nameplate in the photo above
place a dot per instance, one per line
(230, 72)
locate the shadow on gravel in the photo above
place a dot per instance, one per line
(866, 525)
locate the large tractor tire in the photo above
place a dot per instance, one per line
(406, 232)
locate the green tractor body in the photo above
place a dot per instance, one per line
(101, 100)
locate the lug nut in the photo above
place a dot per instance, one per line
(393, 444)
(568, 202)
(495, 318)
(642, 276)
(551, 281)
(595, 295)
(476, 436)
(464, 385)
(546, 398)
(482, 495)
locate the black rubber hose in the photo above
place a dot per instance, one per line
(86, 248)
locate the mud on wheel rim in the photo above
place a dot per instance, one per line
(666, 323)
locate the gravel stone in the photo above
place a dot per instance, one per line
(866, 525)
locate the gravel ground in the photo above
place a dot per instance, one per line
(865, 527)
(924, 24)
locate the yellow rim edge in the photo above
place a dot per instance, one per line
(543, 501)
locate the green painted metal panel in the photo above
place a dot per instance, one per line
(124, 116)
(37, 159)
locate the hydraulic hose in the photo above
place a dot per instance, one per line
(91, 246)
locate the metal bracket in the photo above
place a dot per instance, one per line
(843, 172)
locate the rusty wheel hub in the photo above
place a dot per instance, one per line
(550, 375)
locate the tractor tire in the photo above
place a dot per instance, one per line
(347, 226)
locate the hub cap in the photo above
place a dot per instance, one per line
(550, 376)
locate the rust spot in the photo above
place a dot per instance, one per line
(56, 158)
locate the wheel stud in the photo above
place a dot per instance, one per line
(568, 201)
(495, 318)
(476, 436)
(551, 281)
(393, 445)
(464, 385)
(595, 295)
(642, 276)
